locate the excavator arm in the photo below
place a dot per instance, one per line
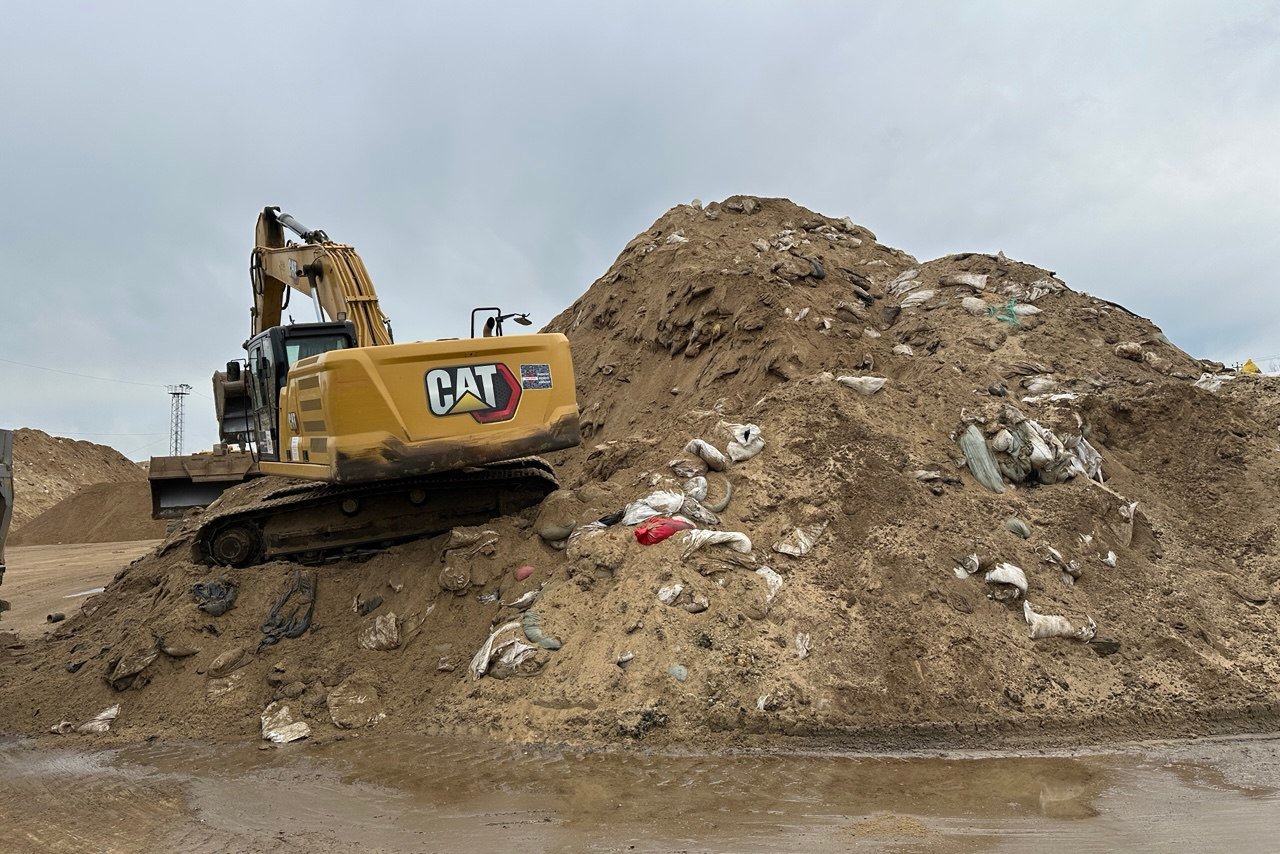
(332, 274)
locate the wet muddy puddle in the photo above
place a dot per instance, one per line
(434, 794)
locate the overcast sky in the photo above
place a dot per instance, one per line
(504, 153)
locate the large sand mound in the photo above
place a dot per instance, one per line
(47, 469)
(99, 513)
(746, 312)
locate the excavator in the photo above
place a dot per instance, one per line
(379, 442)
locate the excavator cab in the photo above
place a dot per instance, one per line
(270, 356)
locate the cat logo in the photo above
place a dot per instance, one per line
(488, 393)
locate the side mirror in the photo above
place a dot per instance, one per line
(233, 372)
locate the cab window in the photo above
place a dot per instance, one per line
(312, 345)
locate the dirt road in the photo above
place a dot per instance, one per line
(44, 579)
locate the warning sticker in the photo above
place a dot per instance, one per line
(535, 376)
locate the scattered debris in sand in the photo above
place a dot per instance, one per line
(1021, 442)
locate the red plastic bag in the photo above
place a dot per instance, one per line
(658, 528)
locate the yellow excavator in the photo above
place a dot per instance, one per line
(384, 442)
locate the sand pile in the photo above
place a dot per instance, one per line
(861, 613)
(98, 513)
(47, 469)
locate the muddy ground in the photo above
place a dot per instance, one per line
(431, 794)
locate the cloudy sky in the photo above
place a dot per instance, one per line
(505, 152)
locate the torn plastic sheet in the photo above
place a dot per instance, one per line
(801, 539)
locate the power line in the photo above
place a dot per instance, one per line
(77, 374)
(67, 433)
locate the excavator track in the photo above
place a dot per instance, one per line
(322, 521)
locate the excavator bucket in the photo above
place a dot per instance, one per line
(179, 484)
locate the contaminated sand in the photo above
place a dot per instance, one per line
(741, 312)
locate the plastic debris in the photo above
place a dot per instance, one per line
(1110, 559)
(903, 350)
(976, 281)
(696, 488)
(479, 665)
(532, 626)
(55, 617)
(1055, 626)
(517, 659)
(1071, 570)
(382, 634)
(1042, 384)
(280, 726)
(226, 662)
(354, 702)
(719, 505)
(99, 723)
(863, 385)
(708, 453)
(1130, 350)
(523, 572)
(747, 441)
(525, 601)
(966, 566)
(625, 659)
(800, 540)
(365, 607)
(291, 623)
(773, 583)
(904, 282)
(669, 594)
(802, 645)
(123, 673)
(687, 468)
(1213, 382)
(694, 540)
(979, 459)
(1007, 573)
(1018, 528)
(215, 597)
(657, 503)
(916, 299)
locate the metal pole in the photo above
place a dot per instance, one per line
(6, 492)
(178, 397)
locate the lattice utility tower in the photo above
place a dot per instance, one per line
(178, 399)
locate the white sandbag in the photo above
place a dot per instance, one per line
(863, 385)
(696, 539)
(747, 441)
(977, 281)
(1007, 573)
(1022, 309)
(708, 453)
(905, 281)
(974, 305)
(916, 299)
(696, 488)
(1055, 626)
